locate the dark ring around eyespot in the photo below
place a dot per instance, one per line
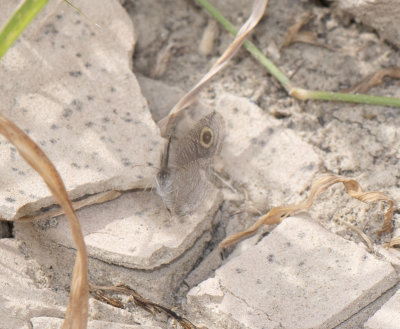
(206, 137)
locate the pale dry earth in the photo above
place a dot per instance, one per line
(90, 97)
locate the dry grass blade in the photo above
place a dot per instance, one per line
(277, 214)
(167, 123)
(138, 300)
(294, 34)
(373, 80)
(77, 311)
(395, 242)
(360, 233)
(88, 201)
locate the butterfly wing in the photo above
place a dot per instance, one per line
(183, 184)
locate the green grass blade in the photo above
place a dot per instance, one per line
(18, 22)
(292, 90)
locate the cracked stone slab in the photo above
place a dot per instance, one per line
(378, 14)
(132, 239)
(388, 317)
(70, 87)
(23, 291)
(278, 162)
(55, 323)
(299, 276)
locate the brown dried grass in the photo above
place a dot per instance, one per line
(167, 124)
(77, 310)
(321, 184)
(374, 79)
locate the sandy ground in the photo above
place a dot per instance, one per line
(358, 141)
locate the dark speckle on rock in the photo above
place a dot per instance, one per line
(126, 119)
(259, 281)
(89, 124)
(235, 110)
(126, 162)
(75, 165)
(62, 46)
(115, 111)
(90, 97)
(309, 167)
(67, 113)
(53, 126)
(239, 270)
(79, 55)
(75, 74)
(50, 29)
(87, 65)
(14, 169)
(150, 164)
(21, 173)
(139, 176)
(105, 119)
(59, 16)
(77, 105)
(271, 258)
(53, 141)
(10, 199)
(112, 89)
(78, 21)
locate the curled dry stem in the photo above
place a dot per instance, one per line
(321, 184)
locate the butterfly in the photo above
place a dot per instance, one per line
(183, 178)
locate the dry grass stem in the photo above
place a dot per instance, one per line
(360, 233)
(88, 201)
(395, 242)
(162, 60)
(374, 79)
(77, 310)
(294, 34)
(210, 33)
(277, 214)
(166, 124)
(138, 300)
